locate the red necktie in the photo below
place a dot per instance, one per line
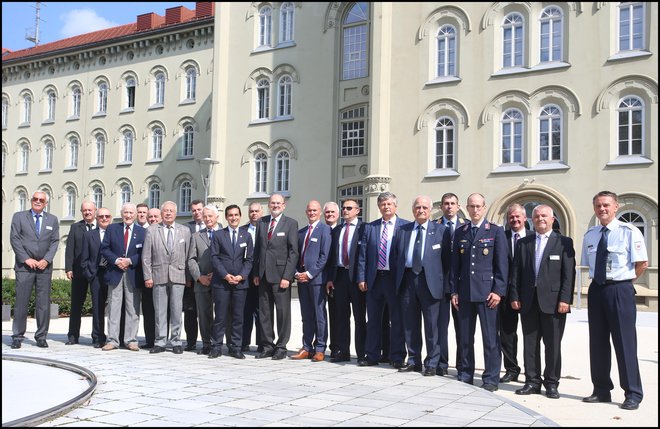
(344, 246)
(128, 228)
(302, 257)
(271, 228)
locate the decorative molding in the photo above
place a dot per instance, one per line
(374, 185)
(449, 104)
(642, 83)
(452, 12)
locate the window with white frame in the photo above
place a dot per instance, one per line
(125, 194)
(512, 39)
(631, 26)
(284, 96)
(50, 105)
(127, 146)
(353, 131)
(27, 109)
(102, 106)
(76, 97)
(22, 200)
(635, 219)
(156, 143)
(5, 111)
(4, 159)
(191, 83)
(551, 34)
(550, 134)
(446, 51)
(185, 194)
(265, 25)
(99, 155)
(630, 125)
(188, 142)
(97, 196)
(260, 172)
(130, 93)
(445, 143)
(282, 171)
(355, 34)
(48, 155)
(70, 202)
(24, 158)
(263, 98)
(74, 148)
(512, 137)
(154, 195)
(159, 88)
(287, 11)
(49, 198)
(353, 193)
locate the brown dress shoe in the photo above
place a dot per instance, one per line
(318, 357)
(302, 354)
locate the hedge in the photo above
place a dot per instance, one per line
(60, 294)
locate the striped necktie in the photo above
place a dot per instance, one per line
(382, 248)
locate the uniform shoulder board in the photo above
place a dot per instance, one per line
(626, 225)
(592, 228)
(465, 226)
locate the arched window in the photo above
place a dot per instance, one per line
(260, 171)
(125, 195)
(286, 21)
(550, 134)
(512, 137)
(188, 141)
(630, 126)
(159, 88)
(446, 49)
(355, 34)
(444, 143)
(4, 160)
(284, 96)
(75, 101)
(48, 155)
(27, 109)
(70, 203)
(191, 83)
(50, 107)
(103, 98)
(282, 172)
(265, 25)
(130, 93)
(100, 149)
(74, 146)
(512, 39)
(156, 143)
(154, 195)
(49, 198)
(263, 98)
(22, 200)
(631, 26)
(127, 147)
(24, 158)
(5, 111)
(551, 34)
(634, 218)
(97, 196)
(185, 194)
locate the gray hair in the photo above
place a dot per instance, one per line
(384, 196)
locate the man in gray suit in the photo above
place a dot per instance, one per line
(164, 262)
(275, 264)
(34, 238)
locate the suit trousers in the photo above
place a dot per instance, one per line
(347, 295)
(272, 295)
(314, 317)
(332, 326)
(148, 316)
(204, 301)
(251, 316)
(229, 305)
(537, 326)
(123, 292)
(443, 333)
(467, 313)
(41, 282)
(99, 298)
(168, 295)
(380, 296)
(79, 286)
(508, 322)
(190, 315)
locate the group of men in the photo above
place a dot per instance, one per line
(411, 274)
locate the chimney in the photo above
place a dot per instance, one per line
(147, 21)
(173, 15)
(204, 9)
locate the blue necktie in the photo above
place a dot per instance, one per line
(37, 225)
(233, 238)
(417, 251)
(600, 270)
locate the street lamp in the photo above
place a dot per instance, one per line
(206, 169)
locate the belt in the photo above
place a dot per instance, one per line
(382, 272)
(342, 268)
(614, 282)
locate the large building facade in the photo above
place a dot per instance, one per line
(523, 102)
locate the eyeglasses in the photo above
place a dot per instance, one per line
(38, 200)
(348, 208)
(104, 216)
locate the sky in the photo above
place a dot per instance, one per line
(60, 20)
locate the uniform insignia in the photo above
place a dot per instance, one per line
(485, 252)
(487, 226)
(462, 251)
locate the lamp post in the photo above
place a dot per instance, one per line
(206, 169)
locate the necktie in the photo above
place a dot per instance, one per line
(600, 270)
(417, 251)
(302, 256)
(170, 239)
(382, 248)
(37, 225)
(344, 246)
(271, 228)
(89, 226)
(516, 236)
(210, 236)
(539, 252)
(473, 232)
(450, 225)
(233, 238)
(127, 231)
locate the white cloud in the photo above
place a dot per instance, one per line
(81, 21)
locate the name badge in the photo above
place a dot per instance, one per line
(281, 234)
(137, 246)
(182, 241)
(242, 245)
(435, 246)
(314, 239)
(49, 227)
(554, 257)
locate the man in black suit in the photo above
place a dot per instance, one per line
(190, 324)
(542, 286)
(74, 272)
(508, 322)
(275, 265)
(251, 310)
(331, 217)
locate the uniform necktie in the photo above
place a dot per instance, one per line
(37, 225)
(233, 238)
(302, 256)
(417, 251)
(271, 228)
(516, 236)
(450, 225)
(600, 270)
(344, 246)
(127, 231)
(382, 248)
(170, 239)
(473, 232)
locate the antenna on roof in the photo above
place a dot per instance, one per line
(32, 34)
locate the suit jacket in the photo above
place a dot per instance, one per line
(353, 252)
(508, 233)
(479, 266)
(556, 279)
(317, 253)
(229, 259)
(91, 259)
(74, 247)
(199, 254)
(112, 248)
(26, 244)
(161, 265)
(192, 225)
(368, 258)
(448, 243)
(435, 254)
(276, 259)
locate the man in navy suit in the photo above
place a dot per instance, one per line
(420, 248)
(93, 269)
(542, 286)
(376, 278)
(342, 283)
(231, 258)
(122, 249)
(314, 247)
(478, 281)
(34, 237)
(251, 310)
(331, 216)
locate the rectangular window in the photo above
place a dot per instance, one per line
(631, 27)
(355, 52)
(353, 132)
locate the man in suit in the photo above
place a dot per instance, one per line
(508, 320)
(451, 221)
(73, 269)
(34, 237)
(276, 257)
(478, 281)
(251, 310)
(93, 266)
(164, 261)
(376, 278)
(342, 283)
(122, 249)
(314, 247)
(142, 215)
(542, 286)
(231, 259)
(420, 248)
(189, 305)
(148, 312)
(201, 270)
(153, 216)
(331, 217)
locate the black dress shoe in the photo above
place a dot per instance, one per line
(597, 398)
(340, 357)
(157, 349)
(71, 341)
(177, 350)
(397, 364)
(384, 359)
(489, 387)
(429, 371)
(205, 350)
(334, 353)
(367, 362)
(265, 354)
(552, 392)
(237, 354)
(410, 368)
(190, 347)
(508, 377)
(441, 371)
(98, 345)
(630, 404)
(42, 343)
(147, 346)
(528, 389)
(279, 355)
(16, 344)
(215, 353)
(245, 348)
(260, 349)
